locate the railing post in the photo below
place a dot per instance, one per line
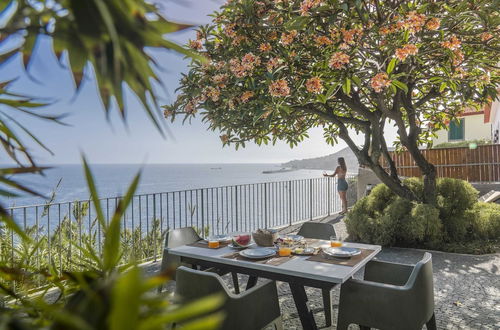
(265, 205)
(236, 206)
(290, 201)
(202, 214)
(310, 199)
(329, 194)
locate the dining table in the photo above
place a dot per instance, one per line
(296, 270)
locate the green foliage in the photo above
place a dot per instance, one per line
(487, 222)
(461, 144)
(119, 34)
(278, 68)
(455, 200)
(94, 289)
(386, 219)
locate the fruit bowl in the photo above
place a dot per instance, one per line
(241, 240)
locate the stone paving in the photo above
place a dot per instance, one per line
(466, 288)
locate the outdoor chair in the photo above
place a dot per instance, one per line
(391, 296)
(317, 230)
(253, 309)
(324, 231)
(178, 237)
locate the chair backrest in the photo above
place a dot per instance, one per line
(175, 238)
(421, 285)
(317, 230)
(193, 284)
(180, 236)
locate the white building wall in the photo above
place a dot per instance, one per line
(475, 129)
(495, 122)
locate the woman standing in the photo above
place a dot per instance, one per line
(342, 185)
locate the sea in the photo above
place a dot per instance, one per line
(66, 183)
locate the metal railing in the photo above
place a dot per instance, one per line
(58, 229)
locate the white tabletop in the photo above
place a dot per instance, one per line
(297, 266)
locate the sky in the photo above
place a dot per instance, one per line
(110, 140)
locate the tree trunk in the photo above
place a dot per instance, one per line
(430, 191)
(428, 172)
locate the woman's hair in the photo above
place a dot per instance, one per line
(342, 164)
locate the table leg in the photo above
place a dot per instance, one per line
(252, 280)
(235, 282)
(305, 314)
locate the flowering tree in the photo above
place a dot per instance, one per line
(276, 68)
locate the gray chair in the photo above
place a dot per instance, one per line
(178, 237)
(317, 230)
(324, 231)
(253, 309)
(391, 296)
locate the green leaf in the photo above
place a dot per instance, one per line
(111, 253)
(346, 87)
(443, 86)
(391, 65)
(400, 85)
(321, 98)
(126, 302)
(93, 193)
(187, 312)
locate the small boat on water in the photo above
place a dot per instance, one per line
(281, 170)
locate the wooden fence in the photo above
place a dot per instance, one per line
(474, 165)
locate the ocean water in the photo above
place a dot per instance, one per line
(113, 179)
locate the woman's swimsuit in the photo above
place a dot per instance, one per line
(342, 184)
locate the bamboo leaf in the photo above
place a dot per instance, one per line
(93, 193)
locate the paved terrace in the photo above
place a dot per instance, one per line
(466, 287)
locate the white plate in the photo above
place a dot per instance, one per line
(240, 247)
(295, 238)
(342, 252)
(258, 253)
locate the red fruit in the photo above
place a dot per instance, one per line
(242, 239)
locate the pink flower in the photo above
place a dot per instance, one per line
(279, 88)
(195, 44)
(338, 60)
(273, 63)
(350, 35)
(433, 24)
(322, 41)
(265, 47)
(314, 85)
(413, 22)
(246, 96)
(307, 5)
(213, 93)
(485, 36)
(458, 57)
(453, 43)
(408, 49)
(287, 38)
(249, 61)
(379, 82)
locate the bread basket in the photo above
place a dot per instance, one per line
(265, 237)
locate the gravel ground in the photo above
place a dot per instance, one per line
(466, 287)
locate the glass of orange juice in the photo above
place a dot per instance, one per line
(336, 241)
(285, 251)
(213, 243)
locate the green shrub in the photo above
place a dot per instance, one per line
(456, 199)
(486, 223)
(421, 225)
(462, 144)
(386, 219)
